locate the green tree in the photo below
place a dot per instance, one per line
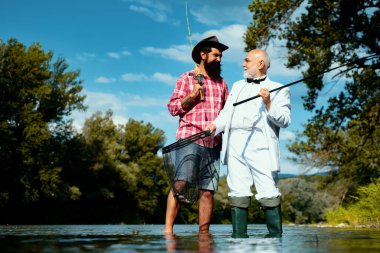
(125, 179)
(52, 174)
(344, 135)
(150, 184)
(101, 183)
(36, 94)
(366, 211)
(303, 201)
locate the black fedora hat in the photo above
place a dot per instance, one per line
(207, 42)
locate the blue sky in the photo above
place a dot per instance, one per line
(130, 52)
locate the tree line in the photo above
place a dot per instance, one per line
(53, 174)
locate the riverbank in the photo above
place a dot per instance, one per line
(341, 225)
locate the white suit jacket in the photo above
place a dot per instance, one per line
(277, 117)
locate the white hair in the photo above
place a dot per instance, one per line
(266, 59)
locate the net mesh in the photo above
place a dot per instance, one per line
(187, 170)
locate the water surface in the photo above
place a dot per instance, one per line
(150, 238)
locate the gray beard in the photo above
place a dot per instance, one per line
(246, 74)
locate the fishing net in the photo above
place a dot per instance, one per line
(188, 171)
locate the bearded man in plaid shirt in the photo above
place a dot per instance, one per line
(197, 98)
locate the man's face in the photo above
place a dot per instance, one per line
(252, 65)
(212, 63)
(214, 56)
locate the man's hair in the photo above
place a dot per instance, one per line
(266, 59)
(206, 50)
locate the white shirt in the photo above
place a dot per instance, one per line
(249, 114)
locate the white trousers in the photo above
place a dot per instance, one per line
(248, 164)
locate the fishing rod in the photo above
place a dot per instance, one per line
(309, 77)
(188, 28)
(198, 76)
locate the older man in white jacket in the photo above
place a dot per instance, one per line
(251, 143)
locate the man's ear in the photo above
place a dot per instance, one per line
(203, 55)
(262, 64)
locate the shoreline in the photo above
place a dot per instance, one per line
(325, 225)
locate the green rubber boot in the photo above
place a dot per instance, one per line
(273, 221)
(239, 222)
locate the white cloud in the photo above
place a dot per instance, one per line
(103, 101)
(118, 55)
(97, 101)
(287, 135)
(114, 55)
(156, 5)
(165, 78)
(119, 119)
(218, 12)
(278, 54)
(120, 104)
(210, 12)
(232, 36)
(289, 167)
(126, 52)
(131, 77)
(180, 53)
(85, 57)
(164, 121)
(103, 79)
(157, 11)
(139, 101)
(158, 17)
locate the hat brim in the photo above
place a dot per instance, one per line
(197, 49)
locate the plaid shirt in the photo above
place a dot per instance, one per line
(202, 113)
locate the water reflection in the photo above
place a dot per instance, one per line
(201, 243)
(150, 238)
(253, 244)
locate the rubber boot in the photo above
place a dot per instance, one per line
(239, 222)
(273, 221)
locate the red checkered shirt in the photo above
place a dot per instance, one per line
(203, 112)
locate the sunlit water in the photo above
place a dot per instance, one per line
(149, 238)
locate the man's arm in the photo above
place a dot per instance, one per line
(279, 112)
(181, 100)
(188, 100)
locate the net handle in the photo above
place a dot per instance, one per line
(183, 142)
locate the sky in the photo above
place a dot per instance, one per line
(131, 52)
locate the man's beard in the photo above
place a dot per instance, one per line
(248, 74)
(213, 69)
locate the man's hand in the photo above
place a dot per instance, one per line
(264, 93)
(211, 127)
(191, 97)
(198, 88)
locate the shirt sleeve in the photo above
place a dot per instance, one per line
(180, 91)
(279, 112)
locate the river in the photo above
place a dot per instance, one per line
(149, 238)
